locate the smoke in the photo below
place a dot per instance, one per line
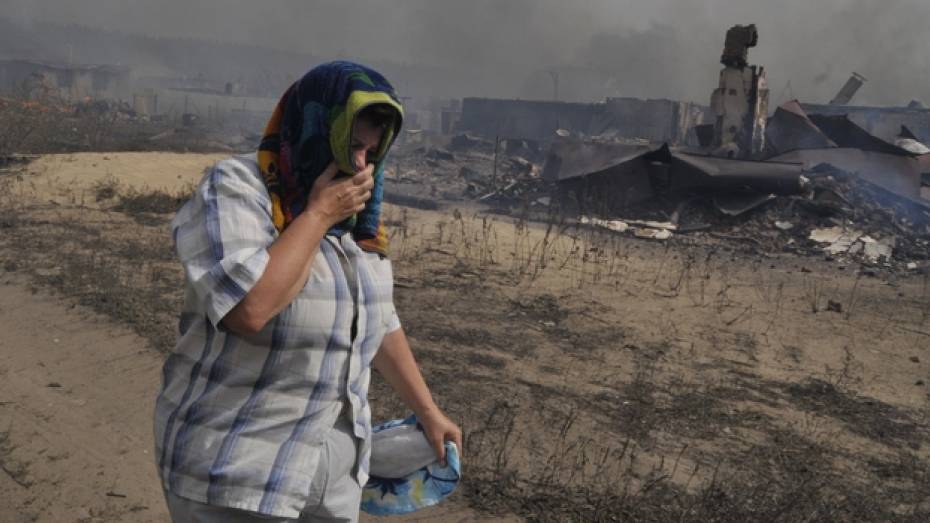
(510, 48)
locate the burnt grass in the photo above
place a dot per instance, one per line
(864, 416)
(470, 335)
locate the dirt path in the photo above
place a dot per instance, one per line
(76, 397)
(75, 414)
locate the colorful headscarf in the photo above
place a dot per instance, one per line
(312, 126)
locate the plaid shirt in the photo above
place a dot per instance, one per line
(240, 420)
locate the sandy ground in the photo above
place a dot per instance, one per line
(76, 400)
(74, 175)
(569, 356)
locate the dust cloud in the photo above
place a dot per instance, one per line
(515, 48)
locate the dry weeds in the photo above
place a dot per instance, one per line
(597, 378)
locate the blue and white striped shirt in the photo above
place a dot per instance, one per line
(240, 420)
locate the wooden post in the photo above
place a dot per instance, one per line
(497, 145)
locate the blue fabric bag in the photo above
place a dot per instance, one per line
(424, 487)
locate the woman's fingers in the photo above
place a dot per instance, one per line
(369, 170)
(344, 196)
(363, 180)
(437, 441)
(438, 430)
(457, 439)
(360, 196)
(355, 201)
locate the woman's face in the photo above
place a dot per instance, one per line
(365, 141)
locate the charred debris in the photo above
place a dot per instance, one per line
(847, 183)
(835, 180)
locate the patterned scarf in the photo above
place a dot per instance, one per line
(311, 127)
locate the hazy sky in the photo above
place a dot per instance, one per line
(655, 48)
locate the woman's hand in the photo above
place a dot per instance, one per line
(438, 430)
(395, 362)
(333, 200)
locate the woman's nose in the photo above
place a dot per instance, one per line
(358, 160)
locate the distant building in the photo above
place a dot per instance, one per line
(37, 79)
(630, 118)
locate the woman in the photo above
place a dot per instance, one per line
(263, 411)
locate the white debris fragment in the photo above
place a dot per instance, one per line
(912, 146)
(652, 234)
(840, 240)
(828, 235)
(844, 243)
(875, 250)
(544, 201)
(641, 229)
(912, 266)
(785, 226)
(668, 226)
(613, 225)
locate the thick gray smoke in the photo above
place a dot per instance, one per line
(516, 48)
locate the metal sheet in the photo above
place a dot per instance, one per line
(568, 160)
(900, 175)
(790, 129)
(611, 189)
(690, 170)
(845, 133)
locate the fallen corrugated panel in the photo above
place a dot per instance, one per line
(790, 129)
(605, 178)
(572, 159)
(846, 133)
(897, 174)
(882, 122)
(691, 170)
(600, 178)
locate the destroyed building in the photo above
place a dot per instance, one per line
(615, 118)
(846, 181)
(37, 79)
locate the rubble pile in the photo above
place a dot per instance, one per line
(820, 184)
(839, 216)
(466, 168)
(768, 207)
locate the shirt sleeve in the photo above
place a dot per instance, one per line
(222, 237)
